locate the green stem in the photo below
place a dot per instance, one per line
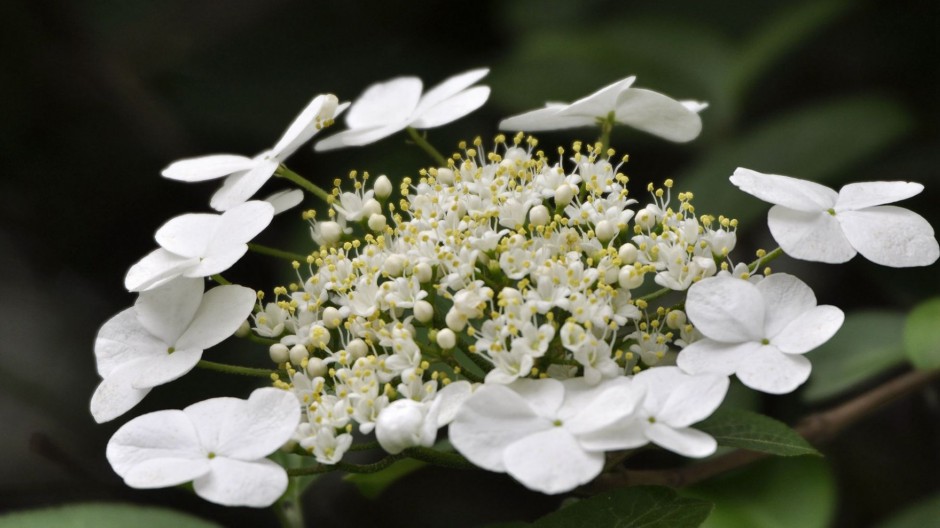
(283, 172)
(260, 340)
(220, 279)
(234, 369)
(607, 126)
(765, 259)
(271, 252)
(427, 147)
(439, 458)
(343, 466)
(289, 509)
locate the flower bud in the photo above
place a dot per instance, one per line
(330, 231)
(357, 348)
(564, 194)
(243, 329)
(445, 176)
(630, 278)
(424, 312)
(382, 187)
(539, 215)
(455, 320)
(403, 424)
(394, 265)
(319, 336)
(377, 222)
(423, 272)
(605, 230)
(279, 353)
(627, 254)
(331, 317)
(675, 319)
(446, 339)
(316, 367)
(298, 353)
(371, 207)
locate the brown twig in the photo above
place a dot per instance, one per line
(815, 428)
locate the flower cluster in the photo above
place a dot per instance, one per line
(529, 300)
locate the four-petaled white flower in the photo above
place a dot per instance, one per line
(549, 435)
(219, 444)
(161, 338)
(199, 245)
(639, 108)
(757, 331)
(408, 423)
(387, 107)
(246, 175)
(812, 222)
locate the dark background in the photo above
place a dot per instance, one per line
(98, 96)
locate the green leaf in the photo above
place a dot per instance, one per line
(922, 335)
(774, 493)
(868, 344)
(755, 432)
(102, 515)
(371, 485)
(924, 513)
(641, 506)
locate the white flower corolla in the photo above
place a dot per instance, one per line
(639, 108)
(812, 222)
(162, 338)
(673, 401)
(545, 433)
(388, 107)
(199, 245)
(284, 200)
(408, 423)
(324, 444)
(246, 175)
(218, 444)
(757, 331)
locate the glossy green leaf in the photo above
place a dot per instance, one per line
(924, 513)
(773, 493)
(922, 335)
(102, 515)
(641, 506)
(371, 485)
(868, 344)
(755, 432)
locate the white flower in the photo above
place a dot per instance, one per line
(674, 400)
(642, 109)
(757, 331)
(542, 432)
(246, 175)
(813, 222)
(219, 444)
(199, 245)
(388, 107)
(161, 338)
(408, 423)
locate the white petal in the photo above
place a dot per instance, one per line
(240, 224)
(246, 429)
(239, 187)
(598, 406)
(157, 268)
(360, 136)
(682, 440)
(694, 106)
(448, 89)
(657, 114)
(489, 421)
(627, 433)
(222, 311)
(771, 371)
(123, 339)
(383, 103)
(167, 311)
(891, 236)
(257, 484)
(453, 108)
(815, 236)
(679, 399)
(401, 425)
(552, 461)
(219, 261)
(188, 235)
(207, 167)
(323, 107)
(708, 356)
(451, 399)
(547, 118)
(599, 103)
(543, 396)
(152, 370)
(785, 298)
(284, 200)
(114, 397)
(855, 196)
(162, 436)
(726, 309)
(809, 330)
(789, 192)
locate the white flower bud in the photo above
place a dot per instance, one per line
(394, 265)
(357, 348)
(445, 176)
(330, 231)
(403, 424)
(279, 353)
(646, 218)
(331, 317)
(446, 339)
(564, 194)
(675, 319)
(298, 353)
(539, 215)
(455, 320)
(605, 230)
(319, 336)
(424, 312)
(371, 207)
(382, 187)
(377, 222)
(627, 253)
(316, 367)
(243, 329)
(423, 272)
(630, 278)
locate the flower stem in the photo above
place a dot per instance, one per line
(234, 369)
(220, 279)
(607, 125)
(427, 147)
(439, 458)
(289, 509)
(765, 259)
(283, 172)
(271, 252)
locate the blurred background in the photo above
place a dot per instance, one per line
(98, 96)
